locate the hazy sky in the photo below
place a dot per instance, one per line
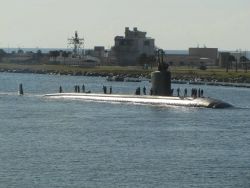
(175, 24)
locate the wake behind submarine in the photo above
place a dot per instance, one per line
(161, 93)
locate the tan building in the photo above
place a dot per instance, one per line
(195, 57)
(211, 54)
(186, 60)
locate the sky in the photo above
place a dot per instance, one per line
(174, 24)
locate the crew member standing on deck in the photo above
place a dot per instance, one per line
(178, 92)
(144, 90)
(185, 92)
(83, 88)
(60, 89)
(110, 90)
(104, 89)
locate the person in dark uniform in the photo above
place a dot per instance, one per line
(60, 89)
(104, 89)
(201, 92)
(178, 92)
(83, 88)
(195, 93)
(151, 91)
(185, 92)
(144, 90)
(138, 91)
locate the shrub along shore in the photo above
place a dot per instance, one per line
(178, 73)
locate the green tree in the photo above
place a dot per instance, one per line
(143, 58)
(65, 54)
(2, 54)
(230, 60)
(54, 54)
(151, 60)
(243, 60)
(146, 59)
(20, 51)
(38, 55)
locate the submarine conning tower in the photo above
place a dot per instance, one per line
(161, 79)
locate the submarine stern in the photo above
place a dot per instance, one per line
(212, 103)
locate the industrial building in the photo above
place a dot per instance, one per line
(209, 53)
(128, 49)
(195, 57)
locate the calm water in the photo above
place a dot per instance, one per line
(62, 143)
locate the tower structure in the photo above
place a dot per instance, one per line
(77, 45)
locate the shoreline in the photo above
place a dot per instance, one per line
(179, 76)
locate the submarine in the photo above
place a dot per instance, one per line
(161, 93)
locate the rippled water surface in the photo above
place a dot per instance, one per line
(72, 143)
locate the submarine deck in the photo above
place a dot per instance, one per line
(144, 99)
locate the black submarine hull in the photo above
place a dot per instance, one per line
(143, 99)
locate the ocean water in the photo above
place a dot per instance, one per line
(73, 143)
